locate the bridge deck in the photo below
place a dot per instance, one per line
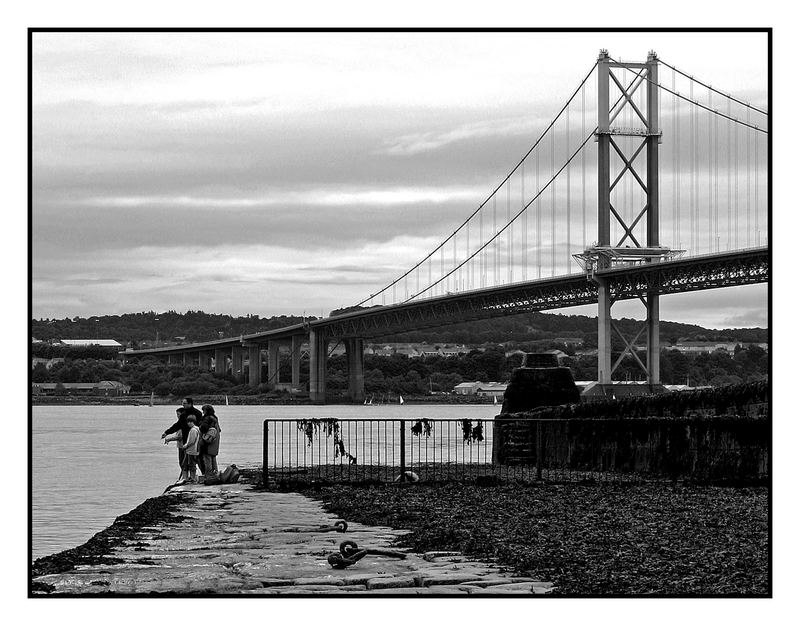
(696, 273)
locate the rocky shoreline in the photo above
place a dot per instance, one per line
(233, 540)
(96, 551)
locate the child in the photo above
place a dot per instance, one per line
(192, 449)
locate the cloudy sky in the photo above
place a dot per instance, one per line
(282, 173)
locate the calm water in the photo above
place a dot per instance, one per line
(93, 463)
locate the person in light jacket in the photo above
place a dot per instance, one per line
(182, 427)
(192, 450)
(209, 448)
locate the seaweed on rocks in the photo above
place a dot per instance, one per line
(593, 539)
(153, 511)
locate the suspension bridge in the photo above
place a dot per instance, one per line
(648, 181)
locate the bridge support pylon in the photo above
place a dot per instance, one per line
(220, 361)
(627, 249)
(237, 363)
(354, 346)
(297, 343)
(273, 363)
(254, 365)
(318, 364)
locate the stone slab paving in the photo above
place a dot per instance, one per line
(236, 540)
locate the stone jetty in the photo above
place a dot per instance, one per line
(234, 539)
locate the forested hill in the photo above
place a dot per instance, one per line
(136, 328)
(194, 326)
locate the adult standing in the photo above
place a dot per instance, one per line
(210, 432)
(187, 408)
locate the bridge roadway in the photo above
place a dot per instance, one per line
(742, 267)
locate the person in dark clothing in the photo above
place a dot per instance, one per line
(210, 431)
(186, 409)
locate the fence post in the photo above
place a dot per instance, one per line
(402, 451)
(265, 454)
(539, 450)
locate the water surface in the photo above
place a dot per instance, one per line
(94, 463)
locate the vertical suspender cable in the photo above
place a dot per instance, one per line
(510, 237)
(552, 205)
(728, 176)
(430, 274)
(569, 212)
(696, 177)
(736, 188)
(524, 227)
(747, 164)
(757, 176)
(660, 121)
(583, 169)
(538, 220)
(716, 182)
(678, 162)
(471, 268)
(711, 117)
(441, 265)
(494, 231)
(483, 252)
(455, 263)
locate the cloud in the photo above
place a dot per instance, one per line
(264, 277)
(416, 143)
(231, 167)
(324, 197)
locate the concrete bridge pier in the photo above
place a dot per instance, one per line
(273, 362)
(220, 361)
(354, 347)
(653, 344)
(318, 364)
(237, 363)
(603, 331)
(204, 360)
(297, 343)
(254, 365)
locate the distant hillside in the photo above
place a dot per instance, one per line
(194, 326)
(138, 328)
(544, 326)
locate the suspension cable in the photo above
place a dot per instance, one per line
(699, 104)
(583, 168)
(716, 91)
(514, 169)
(513, 219)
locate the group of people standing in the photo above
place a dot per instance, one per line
(197, 434)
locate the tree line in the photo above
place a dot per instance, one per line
(401, 374)
(526, 330)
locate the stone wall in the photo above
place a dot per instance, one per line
(700, 448)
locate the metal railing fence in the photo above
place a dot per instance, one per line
(383, 450)
(333, 450)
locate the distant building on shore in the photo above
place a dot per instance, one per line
(86, 343)
(699, 347)
(103, 388)
(477, 388)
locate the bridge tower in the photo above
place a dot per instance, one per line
(628, 249)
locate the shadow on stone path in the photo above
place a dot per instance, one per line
(234, 540)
